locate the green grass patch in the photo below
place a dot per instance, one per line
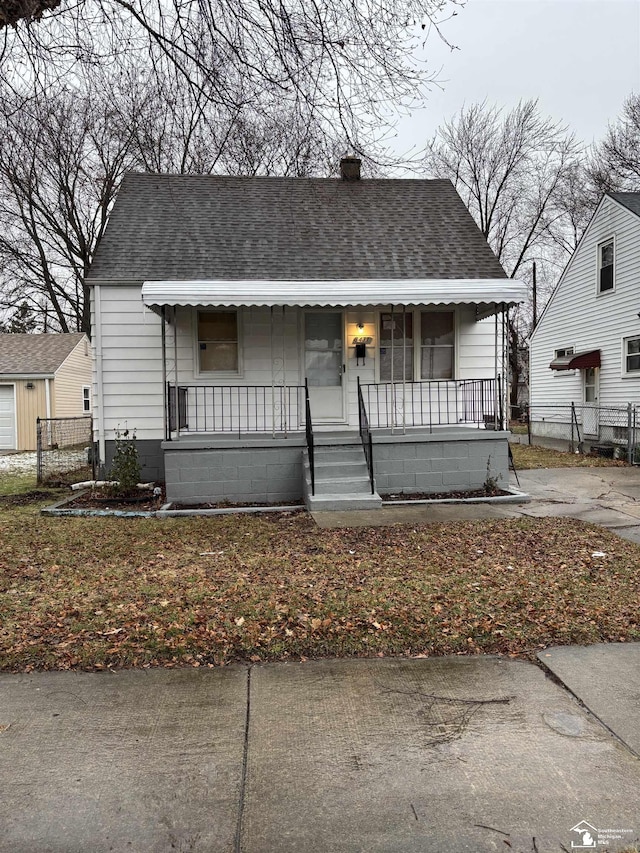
(16, 484)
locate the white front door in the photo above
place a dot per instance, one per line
(324, 365)
(590, 420)
(7, 418)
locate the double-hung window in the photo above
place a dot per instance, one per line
(437, 344)
(218, 341)
(86, 399)
(605, 266)
(417, 345)
(632, 355)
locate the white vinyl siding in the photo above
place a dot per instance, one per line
(591, 320)
(131, 363)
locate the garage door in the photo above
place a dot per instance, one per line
(7, 418)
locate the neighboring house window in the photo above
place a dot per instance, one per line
(605, 266)
(86, 398)
(218, 341)
(437, 344)
(632, 355)
(396, 347)
(561, 353)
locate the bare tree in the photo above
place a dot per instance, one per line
(515, 172)
(62, 158)
(615, 162)
(60, 166)
(346, 64)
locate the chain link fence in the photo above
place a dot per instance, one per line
(586, 427)
(64, 446)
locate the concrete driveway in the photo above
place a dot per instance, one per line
(606, 496)
(445, 754)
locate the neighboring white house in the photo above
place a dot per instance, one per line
(241, 323)
(586, 348)
(41, 376)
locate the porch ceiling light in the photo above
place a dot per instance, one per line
(360, 327)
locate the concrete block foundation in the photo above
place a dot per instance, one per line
(265, 470)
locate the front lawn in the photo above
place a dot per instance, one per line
(101, 592)
(534, 456)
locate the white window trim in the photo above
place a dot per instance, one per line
(417, 339)
(88, 398)
(601, 243)
(628, 374)
(217, 374)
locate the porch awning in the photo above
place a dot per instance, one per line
(228, 293)
(577, 361)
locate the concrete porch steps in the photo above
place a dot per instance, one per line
(341, 475)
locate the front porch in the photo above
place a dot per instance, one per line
(259, 444)
(277, 391)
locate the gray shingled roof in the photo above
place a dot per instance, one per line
(35, 354)
(629, 200)
(212, 227)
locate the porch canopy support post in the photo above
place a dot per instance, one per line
(281, 384)
(404, 368)
(495, 369)
(175, 367)
(165, 395)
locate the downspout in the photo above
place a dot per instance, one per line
(97, 343)
(47, 398)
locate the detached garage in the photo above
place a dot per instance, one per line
(41, 376)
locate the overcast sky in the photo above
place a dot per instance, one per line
(580, 58)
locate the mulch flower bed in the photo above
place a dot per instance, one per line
(430, 496)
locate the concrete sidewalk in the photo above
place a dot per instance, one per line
(606, 496)
(445, 754)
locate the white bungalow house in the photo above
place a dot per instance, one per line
(269, 338)
(585, 351)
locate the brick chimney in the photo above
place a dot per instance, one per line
(350, 168)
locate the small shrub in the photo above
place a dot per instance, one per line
(125, 468)
(491, 485)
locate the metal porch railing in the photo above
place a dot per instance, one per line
(365, 435)
(433, 403)
(276, 409)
